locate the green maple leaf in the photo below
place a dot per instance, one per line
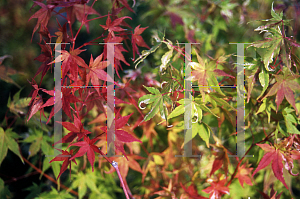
(55, 194)
(198, 128)
(7, 141)
(275, 41)
(158, 103)
(195, 104)
(267, 106)
(285, 86)
(288, 126)
(84, 181)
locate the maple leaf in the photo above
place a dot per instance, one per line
(76, 129)
(284, 87)
(221, 158)
(114, 26)
(290, 148)
(96, 71)
(217, 189)
(205, 73)
(274, 41)
(128, 90)
(175, 19)
(50, 101)
(138, 40)
(17, 105)
(80, 11)
(167, 191)
(67, 98)
(94, 99)
(118, 56)
(43, 15)
(276, 157)
(62, 35)
(70, 62)
(158, 101)
(243, 175)
(66, 157)
(46, 58)
(5, 72)
(272, 194)
(192, 192)
(36, 102)
(121, 135)
(87, 146)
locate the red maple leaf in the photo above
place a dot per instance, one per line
(76, 129)
(114, 26)
(221, 158)
(122, 136)
(46, 58)
(43, 15)
(87, 146)
(244, 174)
(67, 98)
(80, 11)
(138, 40)
(66, 157)
(284, 87)
(276, 157)
(93, 98)
(272, 194)
(217, 189)
(70, 62)
(36, 100)
(118, 56)
(192, 192)
(96, 71)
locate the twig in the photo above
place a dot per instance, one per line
(115, 165)
(14, 179)
(49, 177)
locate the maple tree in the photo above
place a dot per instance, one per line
(151, 105)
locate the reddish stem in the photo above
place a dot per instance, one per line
(14, 179)
(49, 177)
(115, 165)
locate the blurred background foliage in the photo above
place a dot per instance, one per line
(213, 24)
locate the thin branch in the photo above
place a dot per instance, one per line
(49, 177)
(115, 165)
(14, 179)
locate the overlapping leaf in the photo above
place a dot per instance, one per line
(137, 40)
(206, 73)
(7, 141)
(66, 157)
(158, 103)
(285, 87)
(276, 157)
(274, 41)
(122, 136)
